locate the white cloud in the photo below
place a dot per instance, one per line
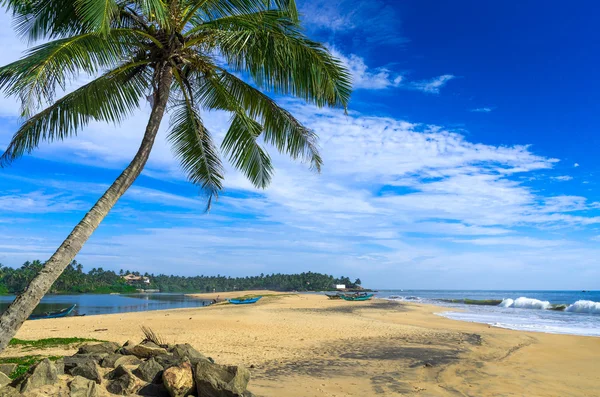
(563, 178)
(432, 86)
(481, 110)
(365, 78)
(576, 165)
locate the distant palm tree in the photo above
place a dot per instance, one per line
(182, 56)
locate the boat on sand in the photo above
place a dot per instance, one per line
(57, 314)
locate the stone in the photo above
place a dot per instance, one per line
(179, 380)
(122, 381)
(88, 370)
(248, 393)
(7, 368)
(146, 350)
(127, 360)
(9, 392)
(187, 351)
(73, 361)
(4, 379)
(60, 366)
(110, 360)
(168, 360)
(150, 371)
(41, 374)
(154, 390)
(82, 387)
(214, 380)
(104, 347)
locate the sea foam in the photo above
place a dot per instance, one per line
(584, 307)
(525, 303)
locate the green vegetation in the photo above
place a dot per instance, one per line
(49, 342)
(24, 363)
(74, 280)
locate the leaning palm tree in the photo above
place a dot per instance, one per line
(182, 56)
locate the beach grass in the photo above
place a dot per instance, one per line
(24, 363)
(49, 342)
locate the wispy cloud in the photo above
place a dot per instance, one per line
(364, 77)
(432, 86)
(563, 178)
(482, 110)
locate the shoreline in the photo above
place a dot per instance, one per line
(306, 345)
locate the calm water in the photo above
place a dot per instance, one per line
(106, 304)
(520, 310)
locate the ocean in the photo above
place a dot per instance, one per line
(557, 312)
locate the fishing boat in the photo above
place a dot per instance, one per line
(244, 301)
(357, 297)
(57, 314)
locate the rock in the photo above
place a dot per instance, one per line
(60, 366)
(82, 387)
(179, 380)
(109, 361)
(88, 370)
(105, 347)
(127, 360)
(168, 360)
(150, 371)
(154, 390)
(41, 374)
(248, 393)
(122, 381)
(9, 392)
(146, 350)
(187, 351)
(7, 368)
(73, 361)
(214, 380)
(4, 379)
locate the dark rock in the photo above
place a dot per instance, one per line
(88, 370)
(213, 380)
(179, 380)
(73, 361)
(154, 390)
(146, 350)
(41, 374)
(122, 381)
(82, 387)
(60, 366)
(248, 393)
(150, 371)
(127, 360)
(9, 392)
(187, 351)
(109, 361)
(7, 368)
(104, 347)
(4, 379)
(168, 360)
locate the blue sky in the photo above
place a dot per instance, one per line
(468, 160)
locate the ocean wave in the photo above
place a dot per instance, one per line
(584, 307)
(525, 303)
(403, 298)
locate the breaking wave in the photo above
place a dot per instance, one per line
(584, 307)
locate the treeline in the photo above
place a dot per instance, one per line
(98, 280)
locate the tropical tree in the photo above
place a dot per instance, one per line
(184, 57)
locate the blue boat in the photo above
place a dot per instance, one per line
(244, 301)
(60, 313)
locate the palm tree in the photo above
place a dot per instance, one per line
(183, 56)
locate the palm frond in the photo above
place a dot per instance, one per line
(193, 146)
(36, 76)
(269, 46)
(240, 144)
(111, 97)
(97, 14)
(155, 10)
(225, 91)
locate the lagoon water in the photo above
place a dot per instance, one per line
(90, 304)
(519, 310)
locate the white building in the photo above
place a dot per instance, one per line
(340, 286)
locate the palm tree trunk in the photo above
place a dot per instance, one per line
(24, 304)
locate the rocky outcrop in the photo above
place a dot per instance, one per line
(150, 371)
(100, 348)
(4, 379)
(145, 350)
(82, 387)
(184, 351)
(41, 374)
(88, 370)
(7, 368)
(214, 380)
(179, 380)
(9, 392)
(121, 381)
(127, 360)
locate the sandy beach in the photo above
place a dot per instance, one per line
(307, 345)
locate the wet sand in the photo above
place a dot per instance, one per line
(307, 345)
